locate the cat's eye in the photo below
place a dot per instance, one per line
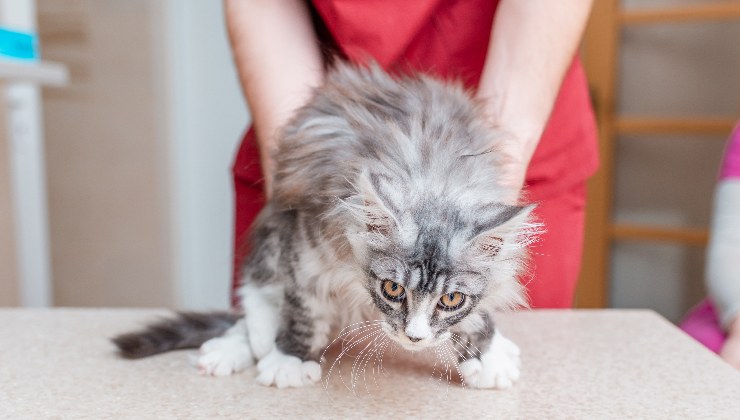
(451, 301)
(393, 291)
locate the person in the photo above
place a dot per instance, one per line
(715, 322)
(519, 57)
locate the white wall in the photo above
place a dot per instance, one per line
(106, 157)
(208, 117)
(27, 168)
(139, 152)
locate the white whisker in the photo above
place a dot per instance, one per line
(379, 359)
(368, 359)
(466, 344)
(462, 356)
(358, 363)
(457, 365)
(381, 368)
(434, 366)
(445, 352)
(366, 333)
(354, 344)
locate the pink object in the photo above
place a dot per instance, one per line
(731, 162)
(702, 321)
(702, 324)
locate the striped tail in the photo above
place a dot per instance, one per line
(187, 330)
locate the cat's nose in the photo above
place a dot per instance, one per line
(418, 328)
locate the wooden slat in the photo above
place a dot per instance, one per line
(688, 236)
(717, 11)
(600, 52)
(644, 125)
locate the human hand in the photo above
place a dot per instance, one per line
(513, 158)
(731, 349)
(278, 76)
(531, 46)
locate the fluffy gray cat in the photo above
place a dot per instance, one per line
(388, 218)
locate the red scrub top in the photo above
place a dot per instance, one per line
(447, 39)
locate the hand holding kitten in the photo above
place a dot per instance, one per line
(731, 349)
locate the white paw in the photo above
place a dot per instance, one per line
(223, 356)
(284, 371)
(497, 368)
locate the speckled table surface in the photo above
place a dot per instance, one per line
(576, 364)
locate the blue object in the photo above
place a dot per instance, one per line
(18, 45)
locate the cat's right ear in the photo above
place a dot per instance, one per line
(508, 226)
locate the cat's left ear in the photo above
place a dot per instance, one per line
(509, 226)
(379, 199)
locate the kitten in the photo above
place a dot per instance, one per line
(388, 206)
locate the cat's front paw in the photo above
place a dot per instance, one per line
(223, 356)
(284, 371)
(497, 368)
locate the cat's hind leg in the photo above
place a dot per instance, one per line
(287, 371)
(262, 305)
(275, 325)
(253, 337)
(230, 353)
(293, 361)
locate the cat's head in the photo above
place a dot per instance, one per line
(434, 263)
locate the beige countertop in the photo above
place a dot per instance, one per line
(576, 364)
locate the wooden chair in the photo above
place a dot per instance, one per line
(600, 55)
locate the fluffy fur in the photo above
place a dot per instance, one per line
(387, 199)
